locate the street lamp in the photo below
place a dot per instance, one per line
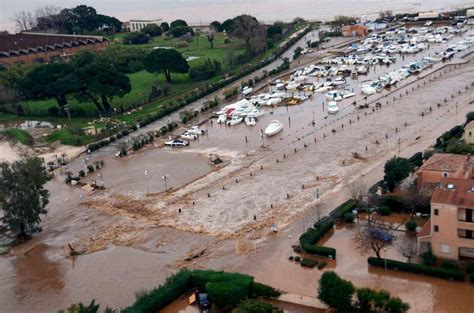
(317, 204)
(165, 178)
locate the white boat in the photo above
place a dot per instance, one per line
(347, 94)
(221, 119)
(332, 107)
(195, 130)
(368, 90)
(334, 96)
(273, 128)
(250, 121)
(292, 86)
(362, 69)
(235, 120)
(189, 136)
(254, 113)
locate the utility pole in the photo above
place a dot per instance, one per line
(165, 178)
(146, 181)
(317, 204)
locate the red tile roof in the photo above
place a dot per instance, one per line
(455, 191)
(444, 162)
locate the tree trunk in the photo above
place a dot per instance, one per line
(22, 233)
(168, 75)
(106, 104)
(94, 100)
(61, 100)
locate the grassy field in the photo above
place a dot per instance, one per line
(17, 135)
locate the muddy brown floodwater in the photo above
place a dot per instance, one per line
(132, 234)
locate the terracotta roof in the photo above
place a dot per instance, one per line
(445, 162)
(455, 191)
(425, 229)
(25, 43)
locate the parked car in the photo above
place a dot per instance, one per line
(177, 143)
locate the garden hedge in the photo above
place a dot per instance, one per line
(418, 269)
(310, 238)
(344, 208)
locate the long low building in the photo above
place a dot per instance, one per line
(28, 48)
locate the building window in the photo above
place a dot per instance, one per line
(445, 174)
(445, 249)
(470, 134)
(436, 228)
(436, 212)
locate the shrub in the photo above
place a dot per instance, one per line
(344, 208)
(230, 92)
(152, 30)
(297, 259)
(179, 31)
(336, 292)
(411, 225)
(182, 44)
(449, 264)
(418, 268)
(257, 306)
(158, 298)
(136, 38)
(384, 210)
(90, 168)
(395, 203)
(82, 173)
(206, 70)
(321, 265)
(291, 258)
(261, 290)
(309, 239)
(309, 263)
(470, 267)
(227, 295)
(428, 258)
(226, 40)
(416, 159)
(349, 217)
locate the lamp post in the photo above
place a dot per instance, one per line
(399, 144)
(101, 179)
(317, 204)
(165, 178)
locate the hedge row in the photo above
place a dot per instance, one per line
(344, 208)
(223, 288)
(210, 88)
(310, 238)
(418, 268)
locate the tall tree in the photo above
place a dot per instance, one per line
(23, 198)
(336, 292)
(99, 82)
(24, 21)
(164, 27)
(165, 61)
(396, 169)
(248, 29)
(177, 23)
(45, 81)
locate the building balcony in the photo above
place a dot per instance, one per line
(466, 225)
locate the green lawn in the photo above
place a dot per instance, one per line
(18, 135)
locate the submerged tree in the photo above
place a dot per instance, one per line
(396, 169)
(23, 198)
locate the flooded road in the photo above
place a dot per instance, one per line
(229, 212)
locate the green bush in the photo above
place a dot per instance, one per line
(344, 208)
(135, 38)
(226, 295)
(297, 259)
(428, 258)
(309, 263)
(261, 290)
(384, 210)
(158, 298)
(309, 239)
(349, 217)
(418, 268)
(470, 267)
(395, 203)
(449, 265)
(416, 159)
(82, 173)
(206, 70)
(411, 225)
(321, 265)
(257, 306)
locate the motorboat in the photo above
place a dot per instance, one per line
(346, 94)
(189, 136)
(368, 90)
(254, 112)
(273, 128)
(221, 119)
(332, 107)
(250, 121)
(334, 95)
(236, 119)
(292, 86)
(362, 69)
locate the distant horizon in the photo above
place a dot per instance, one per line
(200, 12)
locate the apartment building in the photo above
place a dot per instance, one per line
(450, 231)
(137, 25)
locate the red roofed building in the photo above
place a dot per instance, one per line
(442, 165)
(450, 231)
(27, 48)
(354, 30)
